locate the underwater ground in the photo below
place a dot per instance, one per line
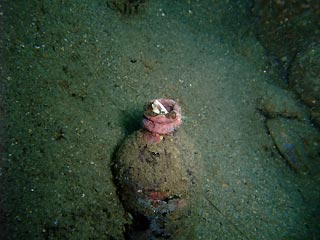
(75, 76)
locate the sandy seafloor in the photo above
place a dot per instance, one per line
(75, 77)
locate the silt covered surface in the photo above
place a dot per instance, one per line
(159, 182)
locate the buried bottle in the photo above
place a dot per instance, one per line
(157, 171)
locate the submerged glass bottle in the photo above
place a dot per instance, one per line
(157, 171)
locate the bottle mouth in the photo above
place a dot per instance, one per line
(162, 116)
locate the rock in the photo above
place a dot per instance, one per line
(298, 142)
(280, 102)
(305, 79)
(284, 28)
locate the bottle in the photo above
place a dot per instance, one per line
(157, 171)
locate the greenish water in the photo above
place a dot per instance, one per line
(75, 77)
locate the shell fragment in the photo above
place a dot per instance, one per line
(158, 108)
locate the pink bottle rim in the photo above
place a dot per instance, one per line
(161, 123)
